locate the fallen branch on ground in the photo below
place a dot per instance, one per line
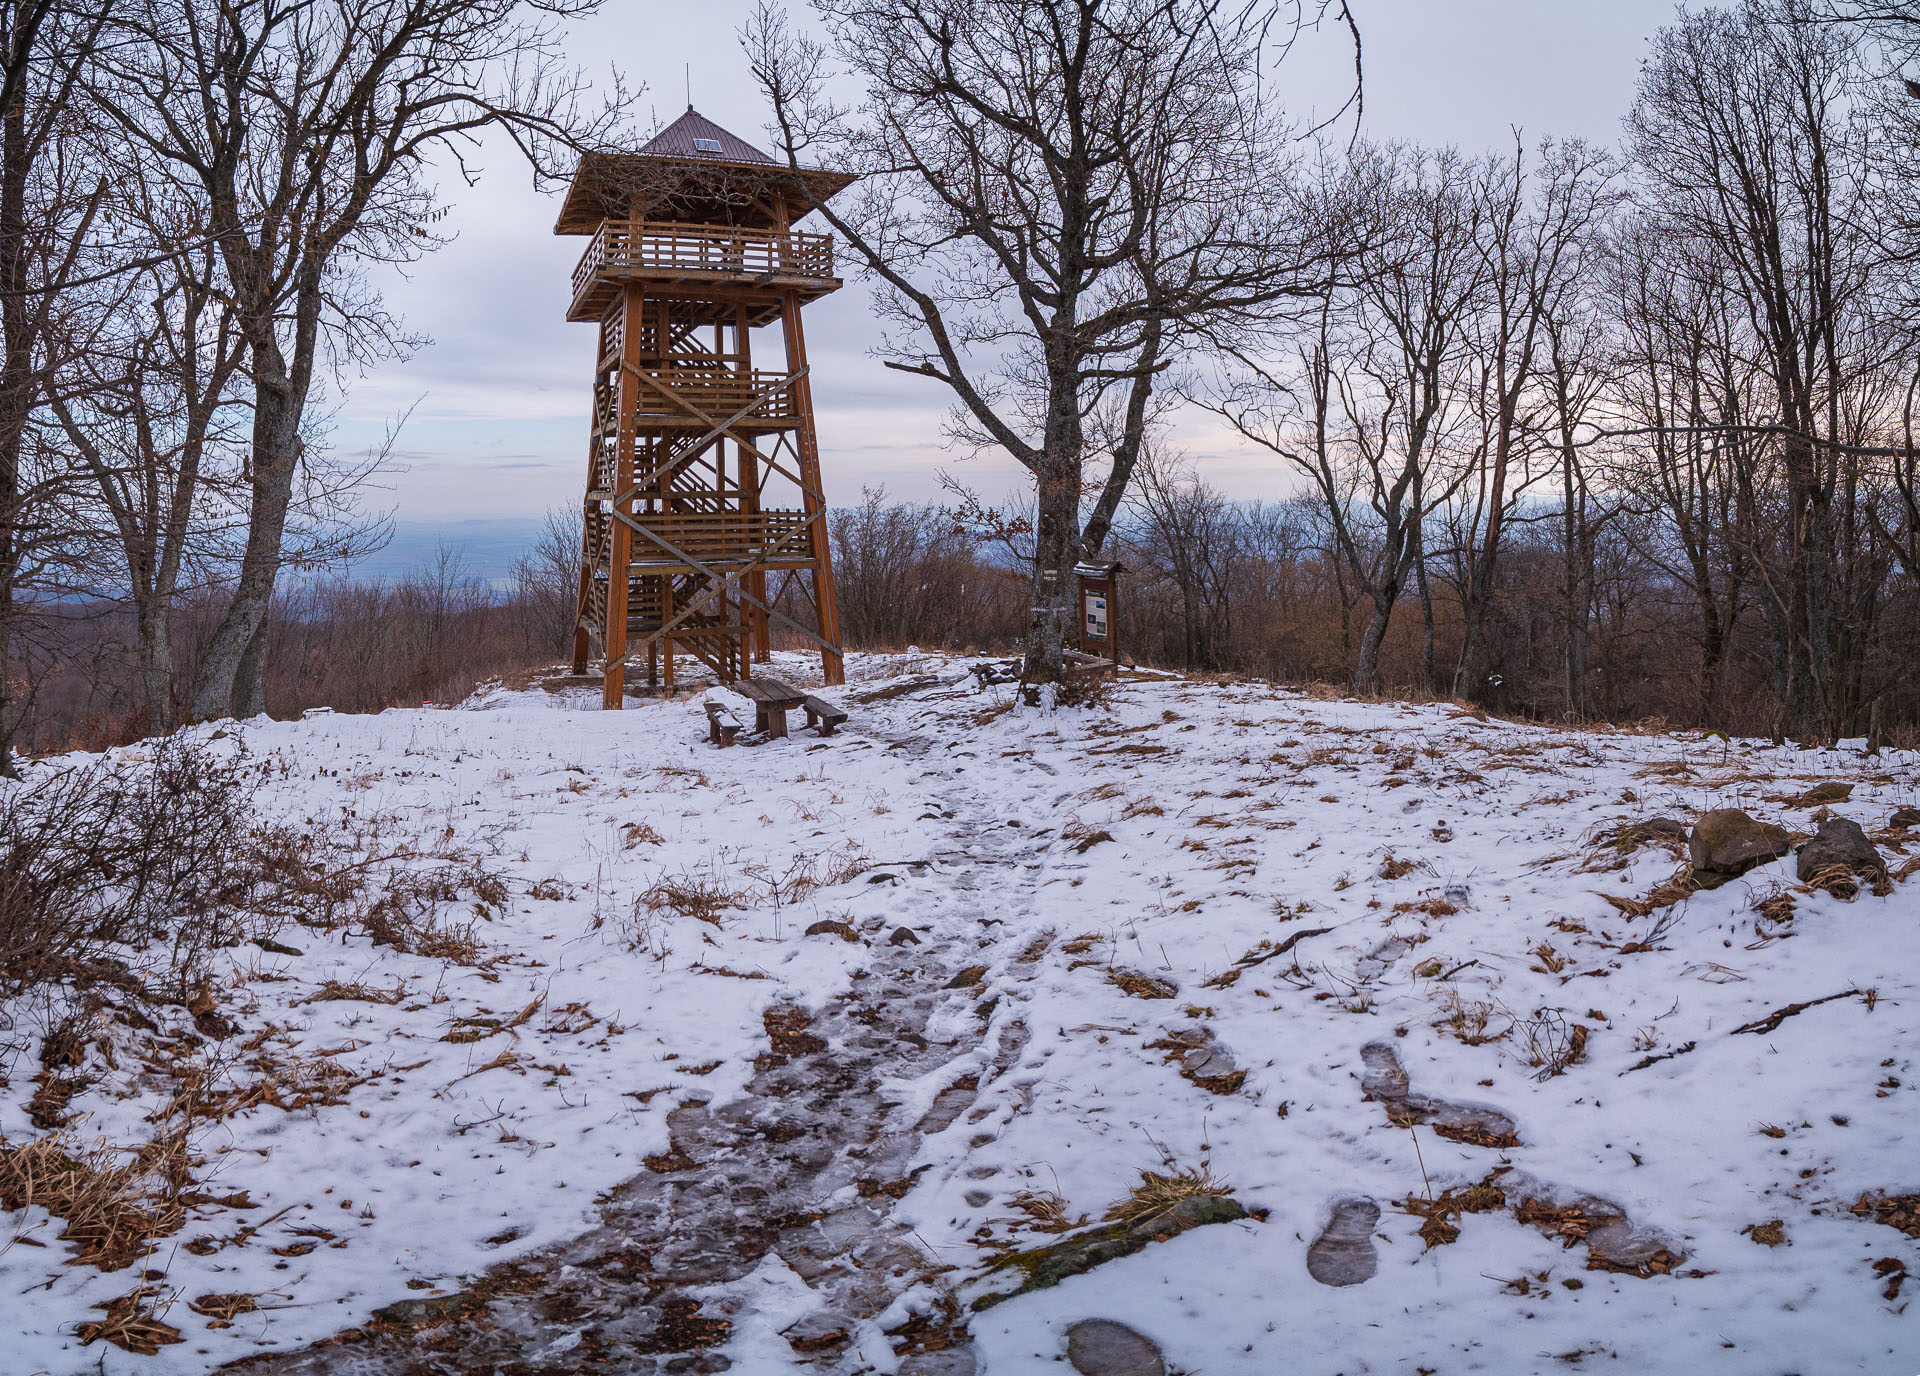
(1773, 1020)
(1247, 962)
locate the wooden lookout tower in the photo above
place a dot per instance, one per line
(704, 506)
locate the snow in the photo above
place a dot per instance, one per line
(1232, 814)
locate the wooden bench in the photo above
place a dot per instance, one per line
(722, 725)
(822, 715)
(772, 699)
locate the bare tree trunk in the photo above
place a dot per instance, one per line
(219, 689)
(17, 382)
(1366, 664)
(1427, 647)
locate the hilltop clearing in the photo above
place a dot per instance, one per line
(1289, 1033)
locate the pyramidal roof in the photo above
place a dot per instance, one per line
(692, 170)
(693, 135)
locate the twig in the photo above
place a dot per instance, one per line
(1663, 1056)
(1773, 1020)
(1248, 962)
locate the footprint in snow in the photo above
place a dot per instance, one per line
(1343, 1253)
(1474, 1124)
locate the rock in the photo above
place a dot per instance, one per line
(968, 977)
(1832, 791)
(1343, 1253)
(1906, 817)
(1839, 842)
(1101, 1347)
(1726, 842)
(826, 926)
(1630, 836)
(947, 1361)
(420, 1313)
(1045, 1267)
(903, 936)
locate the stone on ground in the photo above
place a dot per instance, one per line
(1839, 842)
(1101, 1347)
(1726, 842)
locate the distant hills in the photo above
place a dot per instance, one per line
(487, 548)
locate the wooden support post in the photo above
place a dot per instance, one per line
(613, 641)
(832, 662)
(759, 638)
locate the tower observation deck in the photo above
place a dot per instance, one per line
(705, 518)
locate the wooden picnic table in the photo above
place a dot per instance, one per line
(772, 699)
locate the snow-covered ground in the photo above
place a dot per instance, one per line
(1438, 872)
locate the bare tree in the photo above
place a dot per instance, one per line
(48, 204)
(1536, 225)
(1186, 531)
(153, 412)
(1746, 138)
(1367, 401)
(1576, 376)
(1059, 197)
(306, 129)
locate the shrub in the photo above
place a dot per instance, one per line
(100, 860)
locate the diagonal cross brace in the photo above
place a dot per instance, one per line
(718, 428)
(723, 583)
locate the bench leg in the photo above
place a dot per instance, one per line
(772, 720)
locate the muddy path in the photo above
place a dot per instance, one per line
(764, 1239)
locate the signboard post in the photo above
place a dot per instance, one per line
(1100, 610)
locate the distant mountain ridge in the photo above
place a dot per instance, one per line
(487, 547)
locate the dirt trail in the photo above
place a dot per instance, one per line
(768, 1224)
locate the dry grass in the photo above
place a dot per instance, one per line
(1157, 1195)
(700, 895)
(1046, 1211)
(1551, 1043)
(114, 1204)
(1142, 986)
(132, 1323)
(1392, 868)
(1775, 903)
(409, 911)
(640, 834)
(1083, 836)
(220, 1309)
(1838, 880)
(1900, 1211)
(1438, 1226)
(334, 990)
(1473, 1021)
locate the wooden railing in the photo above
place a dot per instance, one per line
(715, 392)
(719, 249)
(720, 537)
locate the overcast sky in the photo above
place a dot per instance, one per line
(499, 420)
